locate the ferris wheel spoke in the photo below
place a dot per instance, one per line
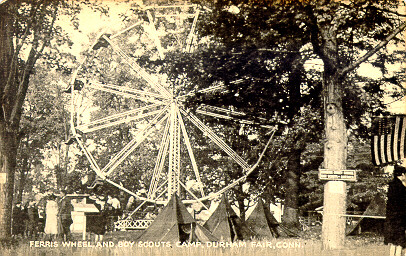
(192, 194)
(87, 128)
(206, 112)
(127, 92)
(212, 114)
(206, 90)
(160, 160)
(154, 35)
(128, 89)
(161, 165)
(133, 146)
(206, 130)
(170, 6)
(127, 29)
(134, 143)
(152, 81)
(90, 158)
(190, 151)
(191, 36)
(223, 110)
(139, 206)
(115, 116)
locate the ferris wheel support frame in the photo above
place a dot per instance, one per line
(176, 127)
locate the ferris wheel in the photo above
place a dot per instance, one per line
(153, 111)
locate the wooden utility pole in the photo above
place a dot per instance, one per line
(335, 146)
(335, 155)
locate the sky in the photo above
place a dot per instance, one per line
(92, 23)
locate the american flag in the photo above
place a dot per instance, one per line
(388, 139)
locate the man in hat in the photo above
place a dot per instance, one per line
(65, 216)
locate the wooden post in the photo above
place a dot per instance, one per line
(335, 156)
(84, 227)
(335, 194)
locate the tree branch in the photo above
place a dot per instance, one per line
(390, 11)
(354, 65)
(31, 60)
(14, 60)
(314, 31)
(23, 84)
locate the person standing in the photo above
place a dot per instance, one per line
(65, 216)
(51, 221)
(33, 220)
(18, 220)
(100, 222)
(395, 222)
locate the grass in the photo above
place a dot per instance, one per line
(306, 246)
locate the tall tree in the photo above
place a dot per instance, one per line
(44, 126)
(338, 33)
(27, 29)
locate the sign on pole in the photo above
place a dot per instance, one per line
(339, 175)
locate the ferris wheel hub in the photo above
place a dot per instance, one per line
(156, 110)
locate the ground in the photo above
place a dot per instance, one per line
(123, 243)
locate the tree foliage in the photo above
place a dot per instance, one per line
(28, 33)
(283, 37)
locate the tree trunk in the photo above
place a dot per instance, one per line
(25, 168)
(290, 215)
(8, 135)
(14, 81)
(324, 41)
(335, 155)
(8, 153)
(59, 172)
(335, 148)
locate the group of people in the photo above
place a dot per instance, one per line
(26, 220)
(52, 219)
(54, 222)
(58, 217)
(98, 223)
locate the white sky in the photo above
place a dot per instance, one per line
(93, 22)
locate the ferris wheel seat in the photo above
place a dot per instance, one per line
(161, 124)
(77, 86)
(95, 183)
(101, 42)
(71, 140)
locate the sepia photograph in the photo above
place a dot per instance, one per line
(203, 127)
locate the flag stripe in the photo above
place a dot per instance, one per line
(396, 140)
(402, 139)
(389, 140)
(382, 148)
(375, 153)
(389, 143)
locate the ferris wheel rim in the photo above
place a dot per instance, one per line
(164, 98)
